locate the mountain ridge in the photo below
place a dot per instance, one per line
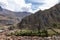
(46, 18)
(10, 16)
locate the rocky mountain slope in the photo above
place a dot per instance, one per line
(10, 17)
(41, 19)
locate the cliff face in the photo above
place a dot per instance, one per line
(46, 18)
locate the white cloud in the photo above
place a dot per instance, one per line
(20, 5)
(47, 4)
(3, 1)
(15, 5)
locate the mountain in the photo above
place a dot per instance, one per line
(47, 18)
(10, 17)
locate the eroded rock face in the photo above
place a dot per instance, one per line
(46, 18)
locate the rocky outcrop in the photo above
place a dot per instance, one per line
(46, 18)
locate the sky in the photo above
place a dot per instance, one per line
(27, 5)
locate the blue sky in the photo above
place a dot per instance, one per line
(28, 5)
(35, 5)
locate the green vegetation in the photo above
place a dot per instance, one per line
(42, 33)
(31, 33)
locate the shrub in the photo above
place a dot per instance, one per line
(31, 33)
